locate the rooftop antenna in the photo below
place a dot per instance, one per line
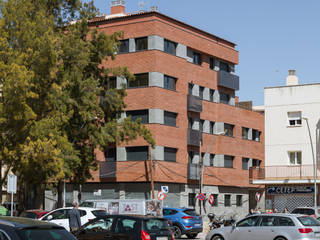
(141, 6)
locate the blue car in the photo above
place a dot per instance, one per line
(184, 221)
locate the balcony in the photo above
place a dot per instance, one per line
(194, 104)
(193, 171)
(296, 172)
(228, 80)
(108, 169)
(194, 137)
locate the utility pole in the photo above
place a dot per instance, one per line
(201, 175)
(151, 165)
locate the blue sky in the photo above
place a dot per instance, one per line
(272, 36)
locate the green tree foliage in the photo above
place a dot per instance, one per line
(57, 105)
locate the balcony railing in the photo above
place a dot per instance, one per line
(282, 172)
(193, 171)
(228, 80)
(194, 137)
(108, 169)
(194, 104)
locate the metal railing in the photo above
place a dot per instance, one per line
(282, 172)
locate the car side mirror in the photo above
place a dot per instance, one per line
(49, 217)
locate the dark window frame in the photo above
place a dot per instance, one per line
(141, 44)
(170, 47)
(170, 120)
(227, 159)
(245, 166)
(123, 46)
(139, 150)
(211, 63)
(142, 114)
(229, 129)
(169, 82)
(168, 152)
(239, 200)
(192, 199)
(227, 200)
(245, 133)
(224, 98)
(141, 80)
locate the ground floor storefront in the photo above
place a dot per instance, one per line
(228, 201)
(280, 196)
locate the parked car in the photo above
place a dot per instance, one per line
(279, 226)
(60, 215)
(126, 227)
(15, 228)
(184, 221)
(307, 211)
(34, 214)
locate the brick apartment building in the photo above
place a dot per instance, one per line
(185, 93)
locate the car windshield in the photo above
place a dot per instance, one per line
(45, 234)
(190, 212)
(309, 221)
(99, 213)
(155, 224)
(306, 211)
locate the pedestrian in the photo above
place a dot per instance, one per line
(285, 210)
(275, 210)
(251, 212)
(74, 218)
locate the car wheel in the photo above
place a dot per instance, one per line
(177, 232)
(280, 238)
(192, 236)
(217, 237)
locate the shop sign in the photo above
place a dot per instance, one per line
(290, 190)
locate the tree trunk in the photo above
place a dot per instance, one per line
(39, 196)
(60, 194)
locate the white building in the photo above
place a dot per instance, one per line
(288, 173)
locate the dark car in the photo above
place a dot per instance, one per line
(126, 227)
(34, 214)
(184, 221)
(17, 228)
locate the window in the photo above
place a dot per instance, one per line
(141, 80)
(256, 163)
(245, 163)
(169, 82)
(141, 44)
(139, 114)
(111, 154)
(248, 222)
(295, 158)
(201, 125)
(170, 118)
(126, 225)
(190, 87)
(211, 93)
(192, 199)
(227, 200)
(170, 154)
(239, 200)
(196, 58)
(256, 135)
(167, 211)
(191, 155)
(101, 225)
(190, 122)
(224, 98)
(201, 90)
(211, 127)
(245, 133)
(211, 163)
(124, 46)
(228, 129)
(284, 221)
(224, 67)
(137, 153)
(268, 221)
(170, 47)
(294, 118)
(211, 63)
(228, 161)
(112, 83)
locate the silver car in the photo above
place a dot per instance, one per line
(270, 227)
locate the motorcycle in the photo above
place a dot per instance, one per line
(214, 221)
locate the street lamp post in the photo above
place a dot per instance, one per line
(202, 164)
(314, 166)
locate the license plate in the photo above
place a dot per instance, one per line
(197, 225)
(162, 238)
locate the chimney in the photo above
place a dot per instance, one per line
(292, 79)
(118, 7)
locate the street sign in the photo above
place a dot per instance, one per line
(161, 196)
(258, 196)
(211, 199)
(201, 196)
(12, 184)
(165, 189)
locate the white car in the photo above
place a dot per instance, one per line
(60, 216)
